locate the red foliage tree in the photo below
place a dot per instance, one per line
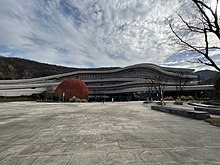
(70, 88)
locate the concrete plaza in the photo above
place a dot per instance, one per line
(34, 133)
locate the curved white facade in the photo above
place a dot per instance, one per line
(133, 78)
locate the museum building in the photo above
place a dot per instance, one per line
(135, 82)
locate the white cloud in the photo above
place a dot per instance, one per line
(87, 33)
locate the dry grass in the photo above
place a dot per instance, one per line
(214, 121)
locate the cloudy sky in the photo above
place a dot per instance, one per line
(92, 33)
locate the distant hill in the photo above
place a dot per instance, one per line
(17, 68)
(207, 74)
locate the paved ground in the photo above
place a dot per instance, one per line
(96, 133)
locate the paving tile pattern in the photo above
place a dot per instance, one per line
(95, 134)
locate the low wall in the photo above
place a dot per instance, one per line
(213, 111)
(200, 115)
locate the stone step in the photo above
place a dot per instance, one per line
(200, 115)
(213, 111)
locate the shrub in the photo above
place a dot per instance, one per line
(168, 98)
(190, 98)
(217, 87)
(183, 98)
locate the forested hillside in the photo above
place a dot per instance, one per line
(17, 68)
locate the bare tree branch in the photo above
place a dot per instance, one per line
(191, 28)
(186, 43)
(210, 25)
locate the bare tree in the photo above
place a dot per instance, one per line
(207, 23)
(157, 83)
(150, 90)
(181, 82)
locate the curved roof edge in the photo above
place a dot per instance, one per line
(141, 65)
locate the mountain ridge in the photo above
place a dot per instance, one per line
(206, 74)
(18, 68)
